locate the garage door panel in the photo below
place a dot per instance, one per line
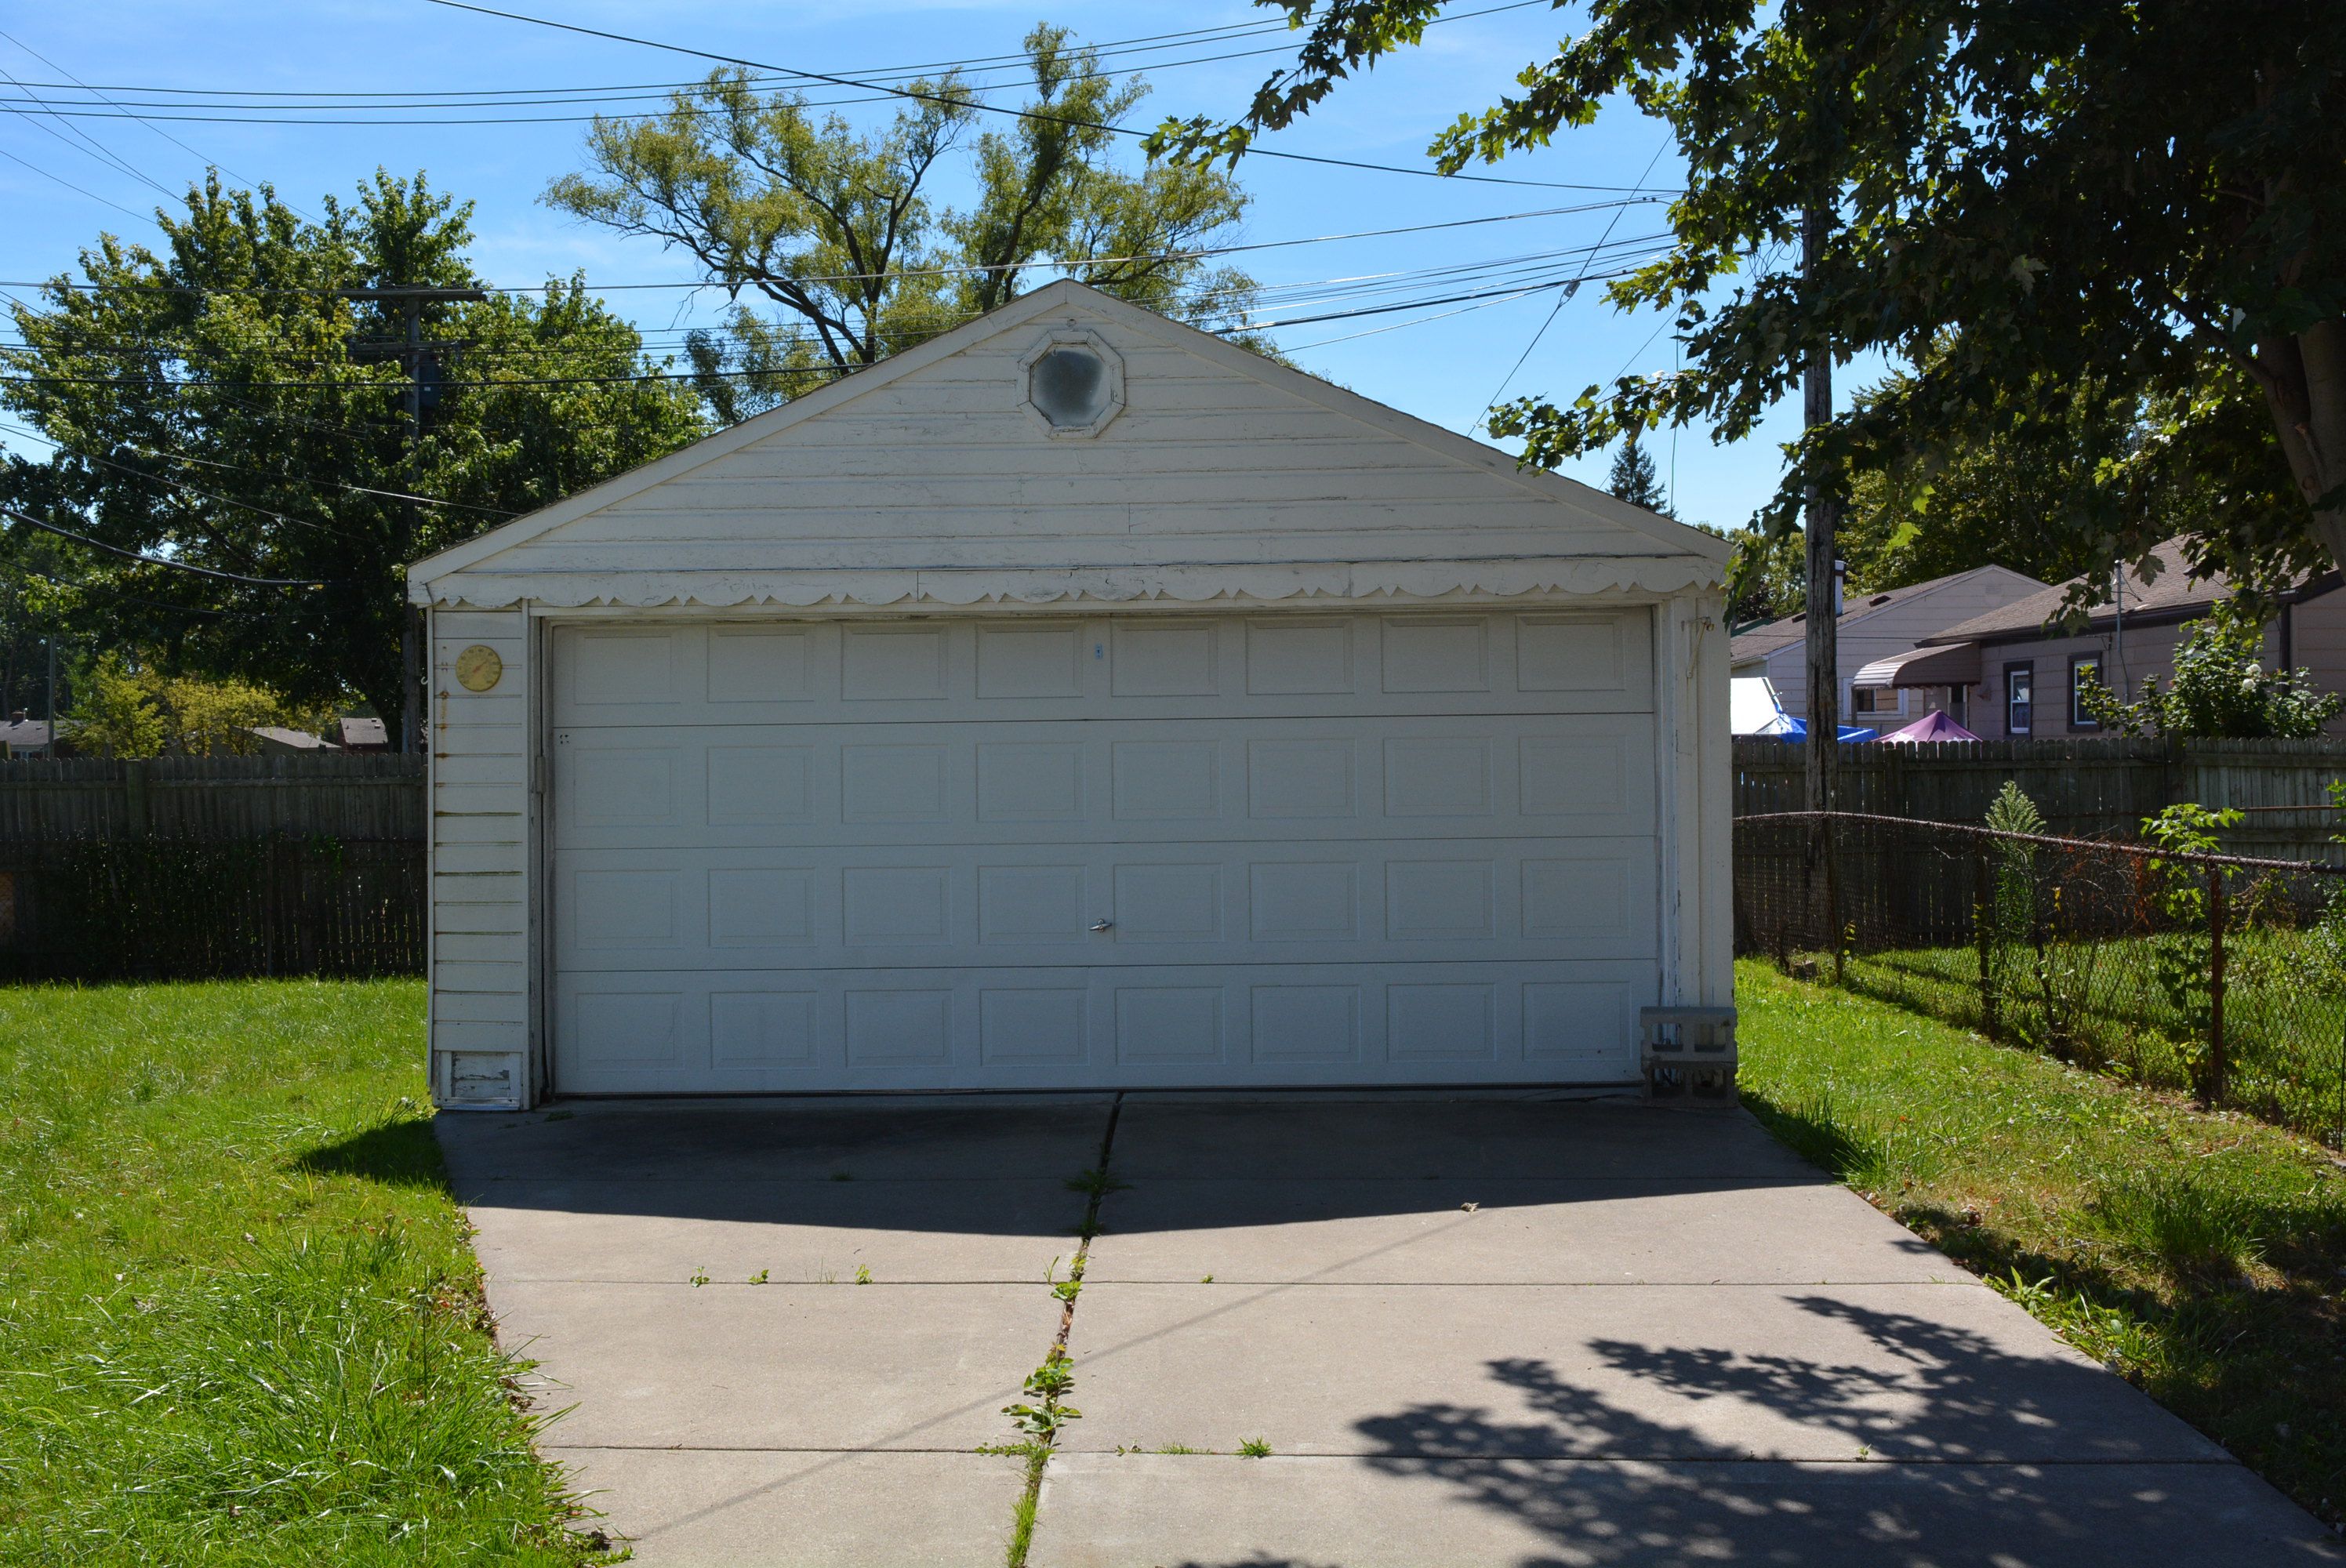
(1414, 900)
(1196, 1025)
(1289, 666)
(1183, 849)
(1183, 780)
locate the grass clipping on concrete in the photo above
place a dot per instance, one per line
(2201, 1257)
(240, 1322)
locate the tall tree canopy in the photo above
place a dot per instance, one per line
(839, 236)
(2146, 193)
(219, 404)
(1632, 479)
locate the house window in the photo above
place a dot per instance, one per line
(1876, 702)
(2019, 698)
(2084, 670)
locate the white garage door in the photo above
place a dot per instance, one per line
(1133, 850)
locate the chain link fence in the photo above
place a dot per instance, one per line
(2220, 975)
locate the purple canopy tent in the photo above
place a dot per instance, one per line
(1933, 726)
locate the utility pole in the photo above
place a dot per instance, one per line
(49, 733)
(1822, 523)
(415, 356)
(1824, 515)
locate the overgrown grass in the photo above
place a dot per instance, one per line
(238, 1320)
(2203, 1256)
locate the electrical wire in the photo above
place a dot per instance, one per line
(919, 96)
(1020, 61)
(31, 522)
(647, 376)
(1561, 301)
(179, 484)
(159, 130)
(1199, 253)
(1259, 299)
(78, 190)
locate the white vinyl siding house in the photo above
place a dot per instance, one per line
(1228, 729)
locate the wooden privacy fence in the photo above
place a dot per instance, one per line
(190, 867)
(2087, 787)
(376, 797)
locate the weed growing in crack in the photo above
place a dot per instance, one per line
(1254, 1448)
(1096, 1184)
(700, 1276)
(760, 1277)
(1043, 1415)
(862, 1274)
(842, 1176)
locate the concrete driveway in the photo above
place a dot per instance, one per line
(1469, 1332)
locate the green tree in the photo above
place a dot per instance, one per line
(1633, 479)
(1767, 578)
(2145, 195)
(2221, 689)
(835, 233)
(2023, 485)
(217, 404)
(131, 707)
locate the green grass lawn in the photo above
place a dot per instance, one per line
(2285, 1015)
(2203, 1256)
(240, 1322)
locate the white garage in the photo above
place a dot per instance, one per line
(1072, 701)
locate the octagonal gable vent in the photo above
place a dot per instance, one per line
(1073, 383)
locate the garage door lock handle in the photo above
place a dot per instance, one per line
(1103, 925)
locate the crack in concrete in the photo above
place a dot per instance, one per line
(1023, 1516)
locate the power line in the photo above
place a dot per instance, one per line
(1019, 60)
(68, 340)
(94, 149)
(100, 95)
(32, 522)
(918, 96)
(157, 384)
(78, 190)
(1202, 252)
(129, 599)
(1561, 301)
(180, 484)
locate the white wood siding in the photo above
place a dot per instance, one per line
(482, 746)
(944, 469)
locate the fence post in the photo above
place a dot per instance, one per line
(1983, 933)
(2216, 1067)
(1832, 899)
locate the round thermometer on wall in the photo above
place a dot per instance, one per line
(478, 668)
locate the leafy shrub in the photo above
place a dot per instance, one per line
(2220, 688)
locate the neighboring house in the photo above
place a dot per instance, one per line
(363, 734)
(2025, 669)
(276, 738)
(23, 735)
(1873, 627)
(1073, 700)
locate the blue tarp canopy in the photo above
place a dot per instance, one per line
(1798, 729)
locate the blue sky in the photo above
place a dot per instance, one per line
(1441, 363)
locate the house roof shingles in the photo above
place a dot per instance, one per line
(2176, 593)
(1763, 640)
